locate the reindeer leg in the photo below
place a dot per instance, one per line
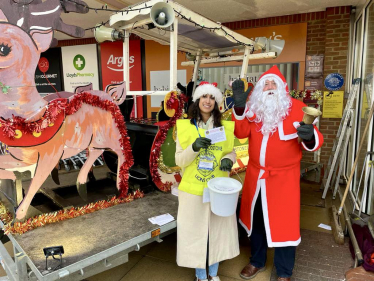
(121, 160)
(45, 164)
(71, 30)
(82, 177)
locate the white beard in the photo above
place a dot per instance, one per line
(270, 109)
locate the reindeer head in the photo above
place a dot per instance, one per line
(19, 50)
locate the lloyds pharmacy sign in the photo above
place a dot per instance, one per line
(80, 66)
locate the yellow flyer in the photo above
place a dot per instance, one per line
(333, 104)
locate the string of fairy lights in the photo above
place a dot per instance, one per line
(179, 14)
(4, 89)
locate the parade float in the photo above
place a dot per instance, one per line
(36, 134)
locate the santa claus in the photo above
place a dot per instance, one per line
(270, 207)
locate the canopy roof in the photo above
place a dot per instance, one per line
(195, 32)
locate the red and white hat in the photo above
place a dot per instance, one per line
(207, 88)
(272, 73)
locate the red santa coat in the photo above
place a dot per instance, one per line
(274, 168)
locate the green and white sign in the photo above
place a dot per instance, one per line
(80, 66)
(79, 62)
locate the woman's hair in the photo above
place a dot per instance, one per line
(194, 113)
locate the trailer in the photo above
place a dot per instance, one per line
(102, 240)
(92, 243)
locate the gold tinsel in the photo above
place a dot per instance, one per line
(48, 218)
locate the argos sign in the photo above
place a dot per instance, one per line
(112, 64)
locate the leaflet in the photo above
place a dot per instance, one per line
(216, 134)
(162, 219)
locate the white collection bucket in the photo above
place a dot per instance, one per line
(224, 194)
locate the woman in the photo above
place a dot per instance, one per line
(203, 237)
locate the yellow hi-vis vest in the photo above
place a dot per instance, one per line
(194, 180)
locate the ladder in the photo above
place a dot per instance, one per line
(347, 115)
(343, 153)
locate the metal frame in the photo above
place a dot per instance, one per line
(17, 270)
(121, 21)
(361, 54)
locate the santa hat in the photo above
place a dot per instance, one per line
(274, 72)
(210, 89)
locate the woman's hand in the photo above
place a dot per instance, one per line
(201, 143)
(226, 165)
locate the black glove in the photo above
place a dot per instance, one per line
(240, 97)
(226, 165)
(201, 143)
(305, 131)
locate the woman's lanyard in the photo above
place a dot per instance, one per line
(194, 121)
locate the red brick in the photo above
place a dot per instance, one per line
(334, 17)
(331, 54)
(341, 40)
(318, 30)
(333, 35)
(333, 26)
(341, 21)
(341, 30)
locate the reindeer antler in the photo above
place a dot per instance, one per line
(29, 14)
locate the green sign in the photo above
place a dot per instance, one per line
(79, 62)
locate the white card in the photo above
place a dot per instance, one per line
(216, 134)
(206, 195)
(205, 165)
(324, 226)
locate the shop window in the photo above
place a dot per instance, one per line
(222, 75)
(363, 66)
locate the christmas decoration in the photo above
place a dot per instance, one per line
(49, 218)
(160, 138)
(308, 94)
(15, 128)
(4, 88)
(41, 131)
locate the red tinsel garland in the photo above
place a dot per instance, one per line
(8, 126)
(44, 219)
(55, 107)
(155, 153)
(107, 105)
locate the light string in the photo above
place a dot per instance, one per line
(179, 14)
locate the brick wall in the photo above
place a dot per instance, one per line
(327, 34)
(336, 52)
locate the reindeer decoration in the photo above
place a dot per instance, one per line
(39, 132)
(31, 14)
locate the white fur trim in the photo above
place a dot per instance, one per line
(272, 77)
(238, 117)
(264, 145)
(316, 140)
(208, 89)
(247, 114)
(249, 232)
(284, 137)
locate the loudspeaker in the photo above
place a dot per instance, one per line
(269, 45)
(276, 46)
(103, 33)
(162, 15)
